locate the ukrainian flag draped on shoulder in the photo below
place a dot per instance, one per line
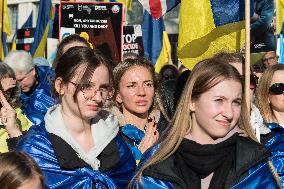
(209, 26)
(41, 32)
(5, 29)
(155, 41)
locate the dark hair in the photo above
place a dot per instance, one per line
(67, 41)
(16, 168)
(130, 55)
(12, 95)
(173, 68)
(228, 57)
(75, 57)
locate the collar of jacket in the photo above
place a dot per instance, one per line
(248, 154)
(121, 119)
(104, 128)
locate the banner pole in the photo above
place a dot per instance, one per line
(1, 28)
(247, 54)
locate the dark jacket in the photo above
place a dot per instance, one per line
(36, 102)
(248, 154)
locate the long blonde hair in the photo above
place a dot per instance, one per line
(262, 93)
(203, 77)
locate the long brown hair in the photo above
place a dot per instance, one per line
(262, 93)
(12, 95)
(16, 168)
(203, 77)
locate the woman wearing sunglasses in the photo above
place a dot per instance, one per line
(270, 102)
(78, 145)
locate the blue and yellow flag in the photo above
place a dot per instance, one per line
(156, 43)
(45, 13)
(5, 29)
(279, 15)
(209, 26)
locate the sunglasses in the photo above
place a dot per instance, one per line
(253, 81)
(277, 89)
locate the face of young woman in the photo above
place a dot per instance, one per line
(217, 111)
(88, 103)
(136, 90)
(277, 100)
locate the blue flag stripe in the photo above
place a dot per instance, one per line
(42, 21)
(152, 32)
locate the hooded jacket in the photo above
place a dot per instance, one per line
(109, 164)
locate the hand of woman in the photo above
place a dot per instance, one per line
(151, 136)
(8, 117)
(8, 83)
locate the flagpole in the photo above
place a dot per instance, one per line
(247, 55)
(1, 29)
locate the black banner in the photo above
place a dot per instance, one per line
(100, 22)
(132, 40)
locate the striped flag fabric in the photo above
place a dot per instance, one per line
(279, 16)
(158, 8)
(5, 28)
(156, 43)
(218, 27)
(42, 26)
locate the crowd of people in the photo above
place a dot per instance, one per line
(85, 124)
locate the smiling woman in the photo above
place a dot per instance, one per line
(209, 143)
(78, 145)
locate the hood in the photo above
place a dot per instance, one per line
(104, 129)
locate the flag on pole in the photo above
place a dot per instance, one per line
(209, 26)
(155, 41)
(158, 8)
(5, 29)
(279, 15)
(40, 38)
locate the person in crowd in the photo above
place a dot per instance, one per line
(269, 59)
(237, 60)
(138, 104)
(35, 82)
(169, 71)
(68, 42)
(210, 143)
(261, 27)
(19, 171)
(270, 101)
(269, 94)
(13, 122)
(78, 144)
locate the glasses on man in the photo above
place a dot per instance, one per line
(268, 59)
(277, 89)
(89, 90)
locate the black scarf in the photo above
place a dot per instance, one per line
(196, 161)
